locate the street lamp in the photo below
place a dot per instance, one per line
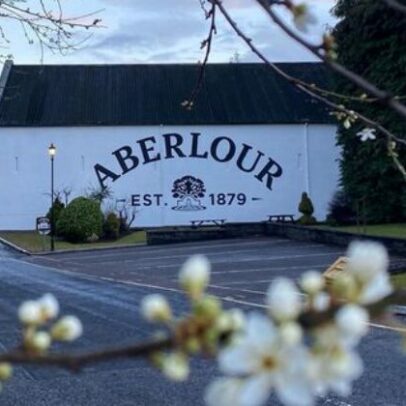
(52, 153)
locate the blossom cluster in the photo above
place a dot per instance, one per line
(39, 328)
(202, 331)
(275, 353)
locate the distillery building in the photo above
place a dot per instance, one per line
(248, 147)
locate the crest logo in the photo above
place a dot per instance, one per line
(188, 190)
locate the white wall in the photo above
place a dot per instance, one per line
(307, 155)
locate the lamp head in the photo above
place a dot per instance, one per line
(52, 150)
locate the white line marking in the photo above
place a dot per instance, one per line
(284, 268)
(382, 326)
(146, 285)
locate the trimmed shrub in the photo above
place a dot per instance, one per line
(340, 211)
(81, 220)
(306, 208)
(56, 210)
(111, 226)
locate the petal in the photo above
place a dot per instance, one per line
(295, 391)
(256, 390)
(239, 359)
(378, 288)
(261, 332)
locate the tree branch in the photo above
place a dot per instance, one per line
(395, 5)
(383, 97)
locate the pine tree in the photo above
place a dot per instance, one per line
(371, 40)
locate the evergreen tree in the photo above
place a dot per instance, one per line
(371, 39)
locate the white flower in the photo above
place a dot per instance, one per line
(283, 299)
(367, 134)
(40, 341)
(68, 328)
(156, 308)
(29, 312)
(303, 17)
(265, 361)
(176, 367)
(334, 368)
(368, 263)
(312, 282)
(49, 306)
(194, 275)
(352, 321)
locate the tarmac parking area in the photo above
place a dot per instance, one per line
(242, 269)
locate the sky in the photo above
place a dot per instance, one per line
(168, 31)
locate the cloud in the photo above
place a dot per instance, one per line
(172, 31)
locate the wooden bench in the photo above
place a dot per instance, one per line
(216, 222)
(281, 218)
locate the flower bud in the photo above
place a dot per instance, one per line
(29, 312)
(352, 320)
(290, 333)
(176, 367)
(283, 299)
(39, 341)
(312, 282)
(68, 328)
(49, 306)
(208, 306)
(194, 275)
(6, 370)
(156, 308)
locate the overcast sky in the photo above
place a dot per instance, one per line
(168, 31)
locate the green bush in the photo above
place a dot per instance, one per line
(56, 210)
(81, 220)
(111, 226)
(306, 208)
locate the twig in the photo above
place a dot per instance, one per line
(395, 5)
(383, 97)
(305, 87)
(75, 362)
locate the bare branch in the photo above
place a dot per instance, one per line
(395, 5)
(383, 97)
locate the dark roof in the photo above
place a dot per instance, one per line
(83, 95)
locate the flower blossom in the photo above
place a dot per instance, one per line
(257, 363)
(367, 134)
(367, 265)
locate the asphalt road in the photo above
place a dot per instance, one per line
(104, 288)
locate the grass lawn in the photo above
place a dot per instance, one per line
(32, 241)
(380, 230)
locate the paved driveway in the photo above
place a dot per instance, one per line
(105, 287)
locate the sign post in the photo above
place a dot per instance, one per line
(43, 227)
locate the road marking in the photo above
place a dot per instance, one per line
(168, 289)
(284, 268)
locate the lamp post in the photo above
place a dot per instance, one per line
(52, 153)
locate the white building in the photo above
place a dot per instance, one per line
(248, 149)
